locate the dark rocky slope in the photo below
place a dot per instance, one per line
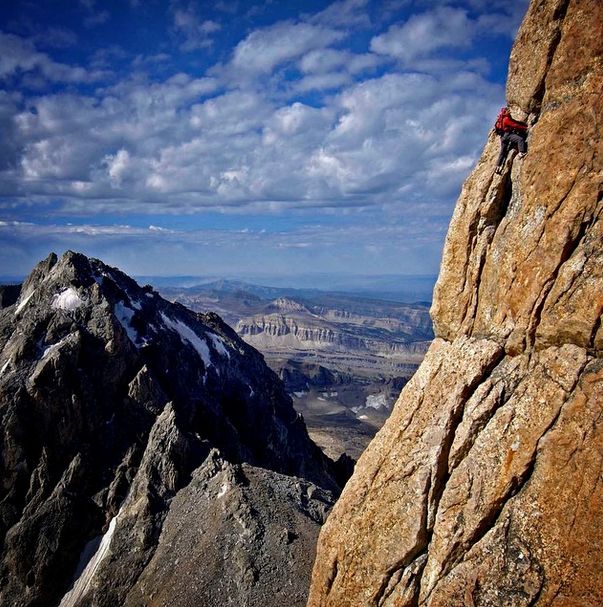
(116, 405)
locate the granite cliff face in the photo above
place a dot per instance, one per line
(484, 487)
(148, 455)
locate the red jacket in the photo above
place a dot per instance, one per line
(512, 125)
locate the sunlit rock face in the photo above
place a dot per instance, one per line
(139, 436)
(484, 487)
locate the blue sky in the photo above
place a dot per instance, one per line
(234, 138)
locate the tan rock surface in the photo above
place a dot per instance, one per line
(485, 485)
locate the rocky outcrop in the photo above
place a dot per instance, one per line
(273, 331)
(285, 304)
(268, 524)
(484, 487)
(119, 410)
(341, 340)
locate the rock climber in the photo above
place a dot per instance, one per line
(513, 134)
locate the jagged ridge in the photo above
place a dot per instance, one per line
(111, 398)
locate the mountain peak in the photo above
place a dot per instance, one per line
(111, 397)
(285, 304)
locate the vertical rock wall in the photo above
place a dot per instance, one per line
(485, 486)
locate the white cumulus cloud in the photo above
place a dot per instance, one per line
(19, 54)
(117, 166)
(196, 32)
(425, 33)
(264, 49)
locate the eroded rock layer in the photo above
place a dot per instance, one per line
(485, 486)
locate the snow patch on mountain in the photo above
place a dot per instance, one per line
(135, 303)
(218, 344)
(82, 584)
(24, 302)
(54, 347)
(67, 299)
(124, 315)
(188, 335)
(376, 401)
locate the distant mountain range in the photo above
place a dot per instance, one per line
(401, 288)
(390, 287)
(345, 333)
(343, 357)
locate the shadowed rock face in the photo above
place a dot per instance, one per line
(267, 522)
(484, 487)
(9, 295)
(116, 404)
